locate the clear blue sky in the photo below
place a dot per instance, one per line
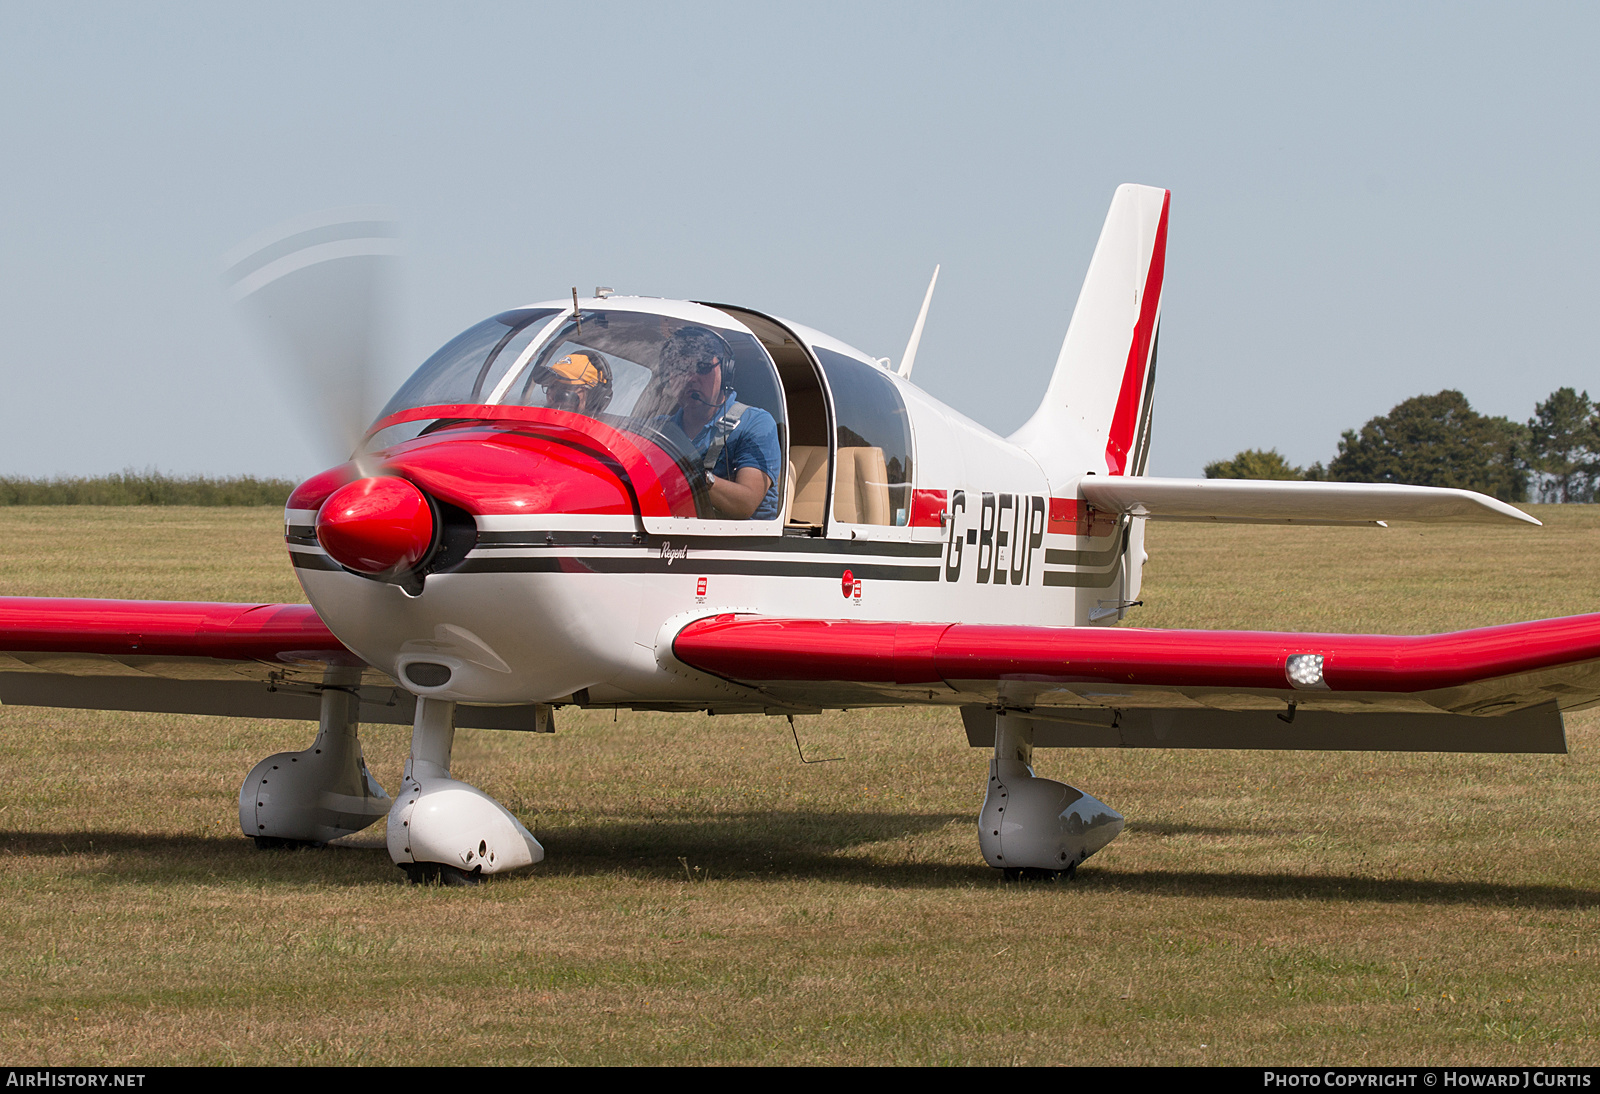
(1369, 202)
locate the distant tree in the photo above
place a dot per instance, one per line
(1564, 446)
(1437, 440)
(1253, 463)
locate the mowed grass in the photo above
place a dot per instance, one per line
(708, 898)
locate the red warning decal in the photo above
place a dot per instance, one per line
(700, 587)
(928, 508)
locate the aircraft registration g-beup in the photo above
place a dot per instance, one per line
(631, 502)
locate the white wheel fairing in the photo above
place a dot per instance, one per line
(315, 795)
(452, 823)
(322, 792)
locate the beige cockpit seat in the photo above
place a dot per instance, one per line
(861, 487)
(807, 492)
(861, 492)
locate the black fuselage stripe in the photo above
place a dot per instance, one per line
(653, 564)
(758, 567)
(804, 545)
(1080, 581)
(1054, 557)
(593, 541)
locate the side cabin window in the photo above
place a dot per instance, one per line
(806, 472)
(872, 461)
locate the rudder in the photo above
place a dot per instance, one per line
(1095, 416)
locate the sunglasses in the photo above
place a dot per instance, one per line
(705, 367)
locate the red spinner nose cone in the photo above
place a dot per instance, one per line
(376, 526)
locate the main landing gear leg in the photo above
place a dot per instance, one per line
(1032, 827)
(444, 830)
(301, 799)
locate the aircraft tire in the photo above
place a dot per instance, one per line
(438, 873)
(278, 843)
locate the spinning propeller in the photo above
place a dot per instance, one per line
(320, 290)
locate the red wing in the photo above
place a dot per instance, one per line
(250, 660)
(113, 628)
(238, 660)
(1491, 689)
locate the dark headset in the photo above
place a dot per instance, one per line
(695, 348)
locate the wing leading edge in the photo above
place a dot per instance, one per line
(185, 657)
(1491, 689)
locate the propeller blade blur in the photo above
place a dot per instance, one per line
(320, 289)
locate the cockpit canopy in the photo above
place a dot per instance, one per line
(606, 364)
(845, 457)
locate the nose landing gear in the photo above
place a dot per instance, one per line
(444, 829)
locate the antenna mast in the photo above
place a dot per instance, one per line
(910, 357)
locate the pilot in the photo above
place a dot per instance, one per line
(579, 382)
(737, 444)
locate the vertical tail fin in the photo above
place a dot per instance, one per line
(1095, 417)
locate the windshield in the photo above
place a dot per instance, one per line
(471, 363)
(676, 382)
(605, 364)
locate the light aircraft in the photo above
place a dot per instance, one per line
(630, 502)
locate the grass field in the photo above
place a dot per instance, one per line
(707, 898)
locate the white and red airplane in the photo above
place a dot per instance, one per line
(667, 505)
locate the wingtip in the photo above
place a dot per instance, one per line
(1503, 509)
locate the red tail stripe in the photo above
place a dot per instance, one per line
(1126, 417)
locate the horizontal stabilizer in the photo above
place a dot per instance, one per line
(1264, 501)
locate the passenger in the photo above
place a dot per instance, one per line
(737, 444)
(579, 382)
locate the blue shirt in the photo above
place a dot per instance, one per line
(752, 443)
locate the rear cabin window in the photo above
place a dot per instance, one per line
(872, 473)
